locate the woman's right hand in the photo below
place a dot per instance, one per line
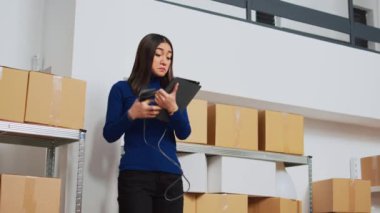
(143, 110)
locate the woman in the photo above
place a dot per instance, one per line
(150, 173)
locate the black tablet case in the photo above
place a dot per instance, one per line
(186, 91)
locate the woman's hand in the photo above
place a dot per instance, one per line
(143, 110)
(167, 100)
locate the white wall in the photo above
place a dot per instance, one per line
(40, 28)
(22, 160)
(254, 62)
(21, 23)
(59, 36)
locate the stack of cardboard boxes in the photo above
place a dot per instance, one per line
(13, 90)
(342, 195)
(274, 204)
(35, 97)
(235, 203)
(225, 203)
(348, 195)
(197, 112)
(232, 127)
(222, 183)
(281, 132)
(44, 99)
(29, 194)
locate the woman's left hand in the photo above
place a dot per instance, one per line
(167, 100)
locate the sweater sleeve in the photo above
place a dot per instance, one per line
(117, 121)
(180, 123)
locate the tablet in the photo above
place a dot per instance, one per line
(187, 90)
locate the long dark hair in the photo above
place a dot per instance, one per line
(142, 68)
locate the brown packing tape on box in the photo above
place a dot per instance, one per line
(1, 73)
(211, 124)
(261, 131)
(375, 169)
(299, 206)
(29, 203)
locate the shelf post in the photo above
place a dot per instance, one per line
(50, 160)
(309, 164)
(78, 200)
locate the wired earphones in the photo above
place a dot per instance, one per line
(171, 160)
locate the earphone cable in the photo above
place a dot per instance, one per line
(172, 161)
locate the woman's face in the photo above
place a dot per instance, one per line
(162, 60)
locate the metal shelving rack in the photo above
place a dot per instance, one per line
(50, 138)
(288, 160)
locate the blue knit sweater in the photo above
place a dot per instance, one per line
(139, 155)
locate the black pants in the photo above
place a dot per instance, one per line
(143, 192)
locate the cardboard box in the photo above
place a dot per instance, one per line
(194, 167)
(241, 176)
(197, 112)
(13, 87)
(189, 203)
(232, 126)
(274, 205)
(222, 203)
(55, 100)
(370, 167)
(29, 194)
(281, 132)
(342, 195)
